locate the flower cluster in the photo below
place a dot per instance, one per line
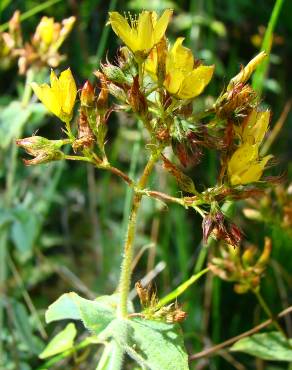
(42, 50)
(244, 269)
(159, 83)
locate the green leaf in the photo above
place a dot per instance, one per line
(152, 344)
(24, 230)
(267, 346)
(24, 330)
(159, 344)
(95, 315)
(12, 119)
(61, 342)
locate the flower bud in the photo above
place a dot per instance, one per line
(87, 95)
(136, 98)
(115, 74)
(265, 256)
(161, 60)
(245, 73)
(42, 149)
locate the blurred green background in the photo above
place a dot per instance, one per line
(63, 226)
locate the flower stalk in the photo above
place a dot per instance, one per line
(126, 270)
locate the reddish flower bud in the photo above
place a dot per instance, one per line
(87, 95)
(136, 99)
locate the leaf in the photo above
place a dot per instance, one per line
(152, 344)
(95, 315)
(267, 346)
(24, 330)
(61, 342)
(12, 119)
(183, 181)
(159, 344)
(24, 230)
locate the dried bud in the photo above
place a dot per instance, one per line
(143, 294)
(102, 100)
(178, 315)
(87, 95)
(237, 102)
(189, 150)
(136, 98)
(207, 227)
(184, 182)
(42, 149)
(85, 135)
(215, 223)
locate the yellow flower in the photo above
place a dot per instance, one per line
(45, 30)
(255, 126)
(59, 98)
(182, 79)
(142, 33)
(245, 166)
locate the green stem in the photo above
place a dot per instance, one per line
(31, 12)
(126, 271)
(268, 312)
(140, 73)
(69, 131)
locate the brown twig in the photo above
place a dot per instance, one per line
(228, 342)
(121, 174)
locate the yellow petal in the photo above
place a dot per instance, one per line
(254, 172)
(179, 62)
(242, 158)
(123, 30)
(173, 81)
(145, 31)
(68, 91)
(179, 57)
(195, 82)
(256, 127)
(151, 63)
(47, 97)
(161, 25)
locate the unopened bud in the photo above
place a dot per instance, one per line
(248, 256)
(265, 256)
(207, 226)
(115, 74)
(245, 73)
(87, 95)
(42, 149)
(136, 98)
(161, 60)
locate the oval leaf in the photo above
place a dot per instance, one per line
(267, 346)
(95, 315)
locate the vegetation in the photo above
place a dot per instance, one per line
(152, 221)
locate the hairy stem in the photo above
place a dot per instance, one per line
(126, 270)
